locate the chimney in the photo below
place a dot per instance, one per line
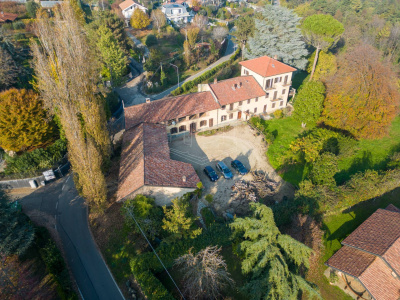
(215, 80)
(275, 57)
(184, 178)
(240, 84)
(148, 100)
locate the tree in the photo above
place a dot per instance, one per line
(187, 52)
(178, 221)
(308, 102)
(24, 124)
(362, 98)
(192, 34)
(112, 55)
(159, 19)
(219, 33)
(8, 70)
(32, 7)
(200, 21)
(139, 19)
(244, 30)
(326, 65)
(67, 78)
(322, 32)
(324, 168)
(272, 259)
(16, 231)
(204, 274)
(277, 33)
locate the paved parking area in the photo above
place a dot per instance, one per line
(239, 143)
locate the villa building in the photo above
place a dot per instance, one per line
(177, 13)
(128, 6)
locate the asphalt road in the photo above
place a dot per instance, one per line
(61, 200)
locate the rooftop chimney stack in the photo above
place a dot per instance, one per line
(148, 100)
(275, 56)
(184, 178)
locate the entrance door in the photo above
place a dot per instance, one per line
(239, 115)
(211, 123)
(193, 127)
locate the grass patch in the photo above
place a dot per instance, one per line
(215, 131)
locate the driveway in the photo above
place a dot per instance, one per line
(59, 204)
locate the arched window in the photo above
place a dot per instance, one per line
(174, 130)
(182, 128)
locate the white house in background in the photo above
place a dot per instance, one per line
(176, 13)
(128, 6)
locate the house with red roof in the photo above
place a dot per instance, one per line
(128, 6)
(369, 260)
(7, 17)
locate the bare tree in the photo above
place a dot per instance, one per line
(200, 21)
(219, 33)
(8, 70)
(204, 274)
(67, 77)
(158, 18)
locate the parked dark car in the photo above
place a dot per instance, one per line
(224, 170)
(239, 167)
(211, 173)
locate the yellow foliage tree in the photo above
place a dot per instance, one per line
(326, 65)
(139, 19)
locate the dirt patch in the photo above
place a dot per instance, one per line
(240, 143)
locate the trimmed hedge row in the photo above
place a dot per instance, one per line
(187, 86)
(146, 265)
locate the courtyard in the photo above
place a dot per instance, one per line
(242, 143)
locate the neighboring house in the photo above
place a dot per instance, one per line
(371, 255)
(150, 125)
(50, 4)
(129, 6)
(7, 17)
(176, 13)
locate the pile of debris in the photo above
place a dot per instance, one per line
(243, 192)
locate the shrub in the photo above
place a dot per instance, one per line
(18, 25)
(324, 168)
(151, 40)
(209, 198)
(208, 216)
(278, 114)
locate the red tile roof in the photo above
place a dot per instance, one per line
(128, 3)
(246, 88)
(4, 17)
(145, 160)
(377, 233)
(391, 207)
(169, 108)
(266, 66)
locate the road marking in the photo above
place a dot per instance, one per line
(80, 292)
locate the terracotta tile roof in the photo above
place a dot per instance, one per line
(266, 66)
(392, 256)
(377, 233)
(128, 3)
(145, 160)
(4, 17)
(351, 261)
(391, 207)
(169, 108)
(380, 282)
(246, 88)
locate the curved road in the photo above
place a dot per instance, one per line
(61, 200)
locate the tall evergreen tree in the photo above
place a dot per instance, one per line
(276, 33)
(16, 231)
(244, 30)
(272, 259)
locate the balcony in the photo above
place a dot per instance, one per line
(270, 87)
(287, 83)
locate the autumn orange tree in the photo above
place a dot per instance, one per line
(362, 98)
(24, 123)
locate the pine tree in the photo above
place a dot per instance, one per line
(113, 56)
(178, 221)
(24, 124)
(139, 19)
(273, 260)
(16, 231)
(308, 103)
(277, 34)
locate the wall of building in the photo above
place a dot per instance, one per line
(129, 11)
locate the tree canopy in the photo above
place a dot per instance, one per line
(326, 65)
(139, 19)
(244, 30)
(277, 33)
(272, 259)
(8, 70)
(24, 124)
(362, 98)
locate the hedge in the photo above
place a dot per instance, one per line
(146, 265)
(187, 86)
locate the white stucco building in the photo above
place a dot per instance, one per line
(176, 13)
(128, 6)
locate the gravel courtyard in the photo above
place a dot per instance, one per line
(240, 143)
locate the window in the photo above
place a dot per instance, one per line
(223, 118)
(230, 116)
(276, 79)
(203, 123)
(174, 130)
(182, 128)
(231, 106)
(281, 103)
(265, 108)
(181, 119)
(240, 103)
(202, 114)
(283, 92)
(267, 96)
(286, 79)
(256, 99)
(280, 79)
(248, 101)
(246, 72)
(223, 107)
(248, 111)
(273, 105)
(268, 84)
(255, 109)
(275, 95)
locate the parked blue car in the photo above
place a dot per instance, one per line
(224, 170)
(211, 173)
(239, 167)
